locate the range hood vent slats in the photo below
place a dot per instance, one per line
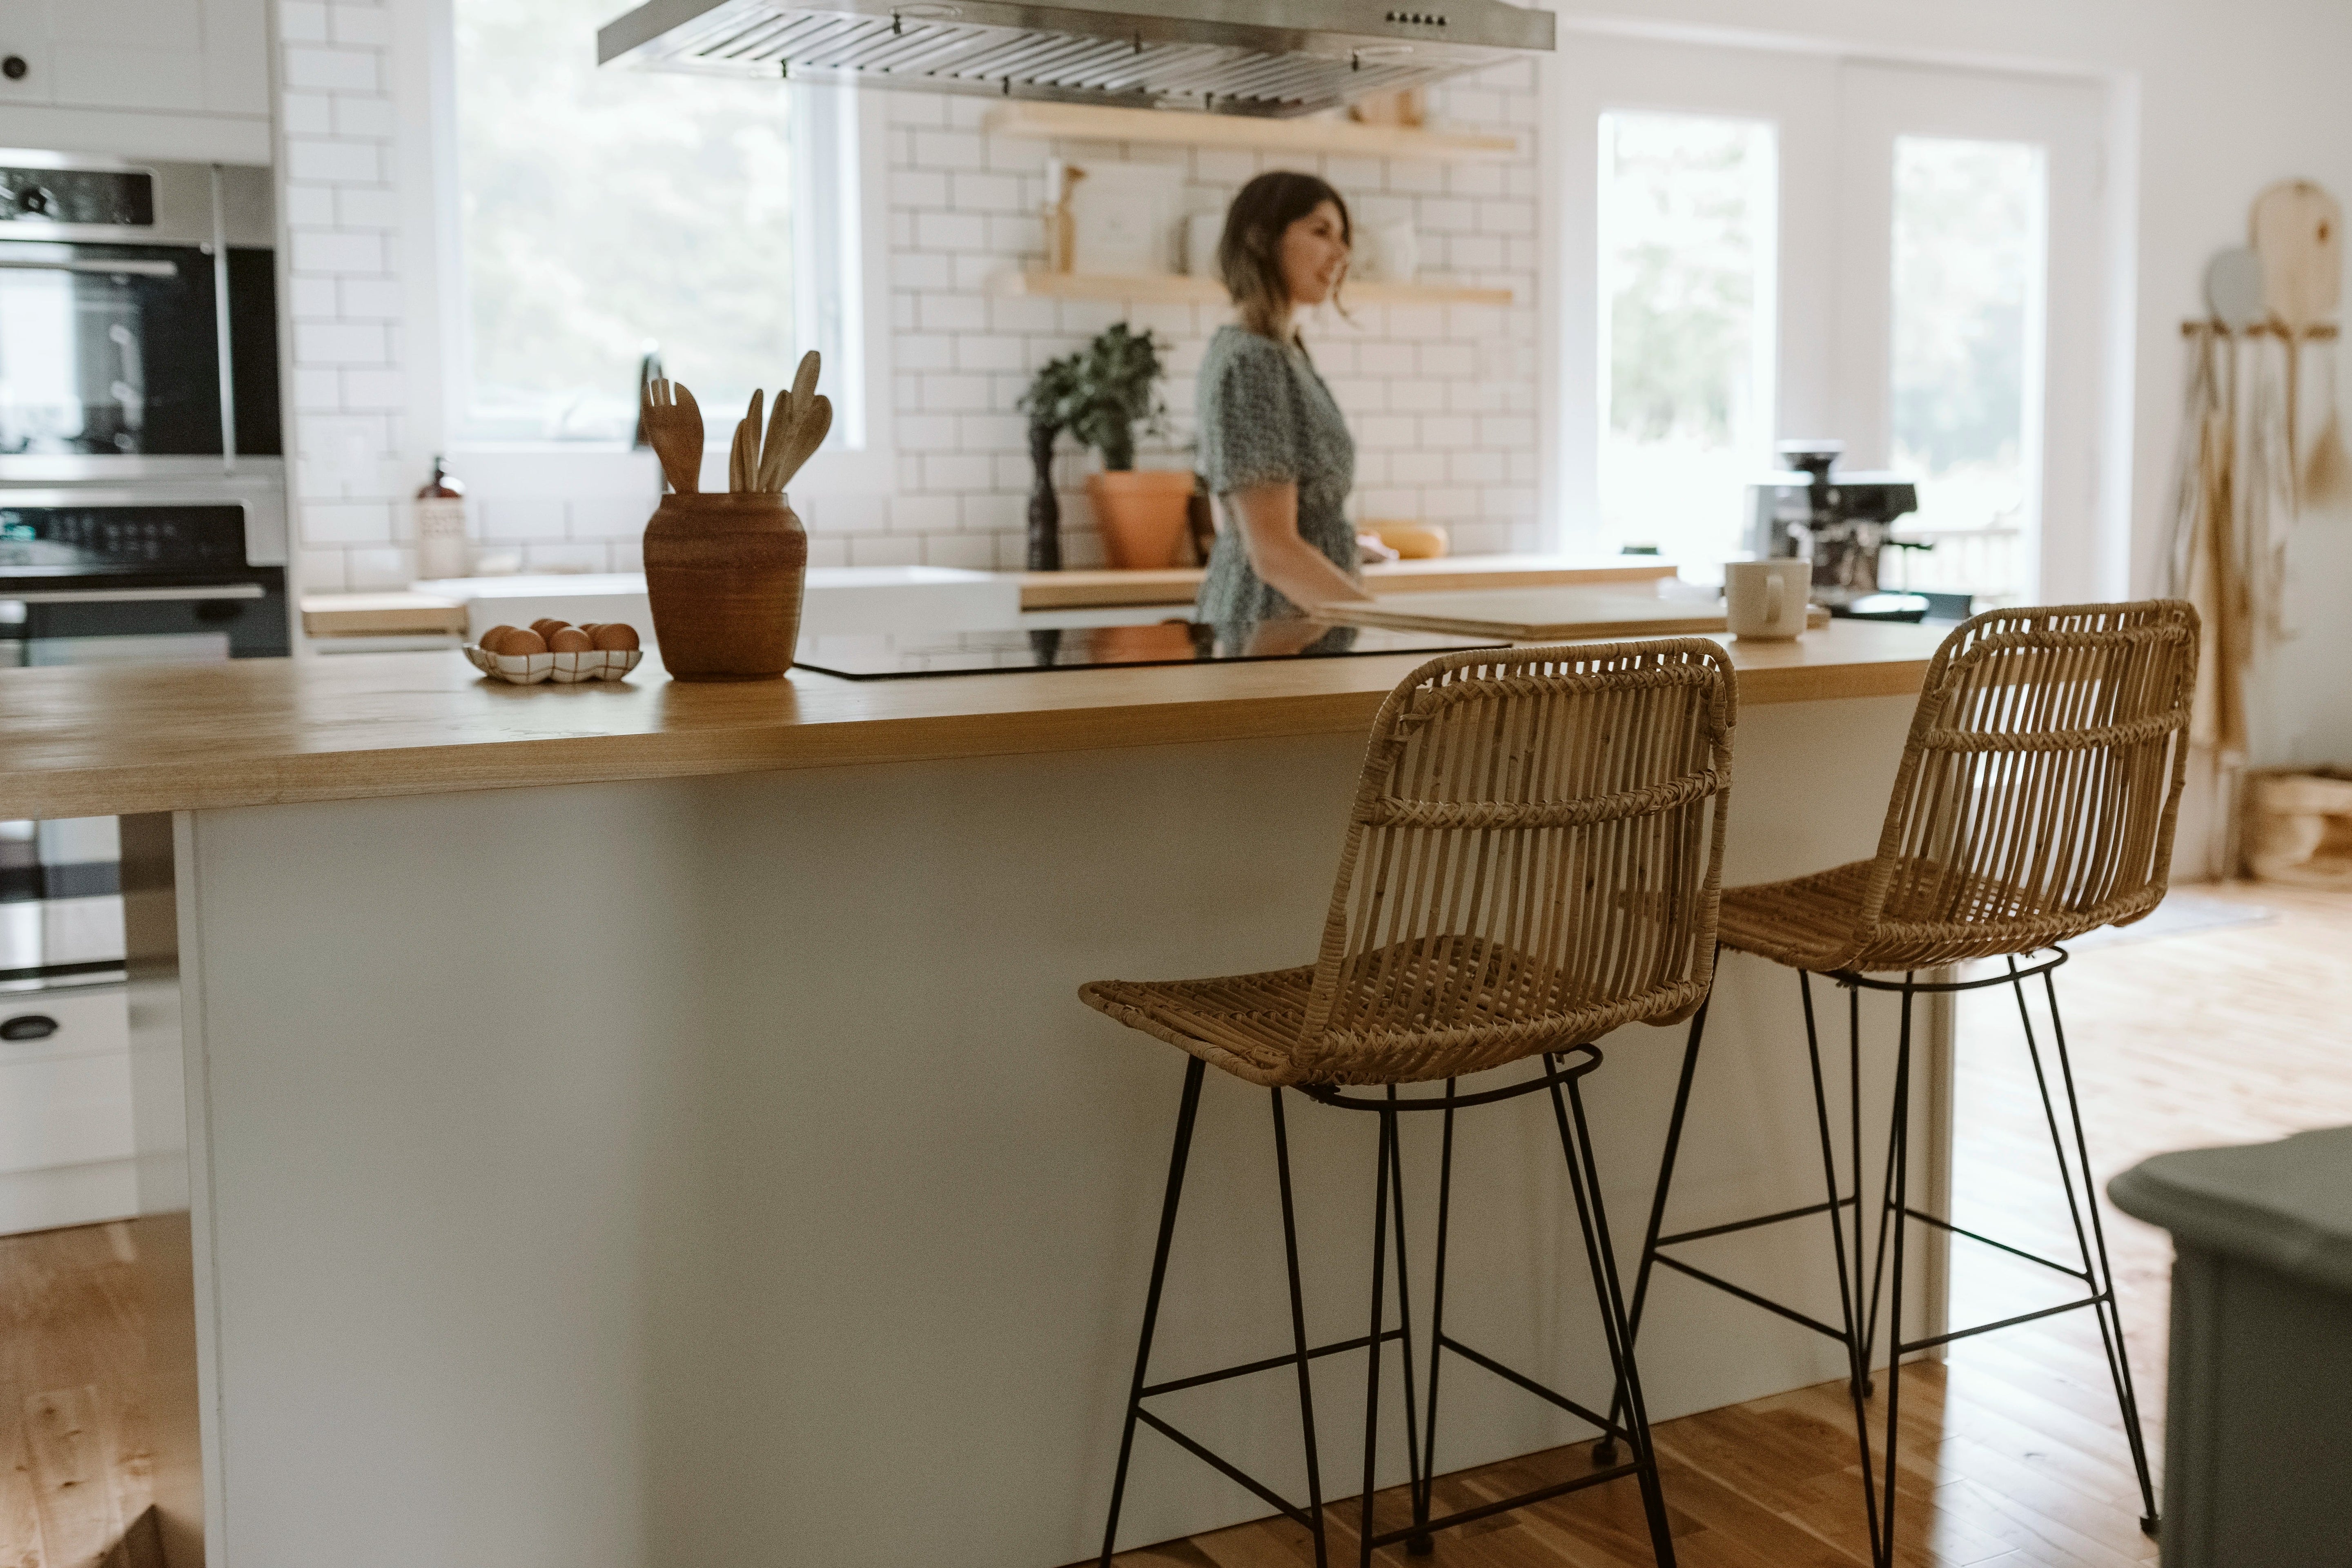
(1171, 54)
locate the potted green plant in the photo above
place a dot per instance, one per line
(1103, 395)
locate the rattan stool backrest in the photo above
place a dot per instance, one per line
(1535, 856)
(2039, 784)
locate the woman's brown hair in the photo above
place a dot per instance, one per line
(1249, 252)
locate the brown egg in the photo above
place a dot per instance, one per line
(524, 642)
(495, 640)
(590, 626)
(569, 639)
(618, 636)
(548, 626)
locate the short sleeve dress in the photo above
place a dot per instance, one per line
(1266, 416)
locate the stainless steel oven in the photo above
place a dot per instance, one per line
(138, 318)
(142, 502)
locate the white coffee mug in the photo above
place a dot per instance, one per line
(1765, 600)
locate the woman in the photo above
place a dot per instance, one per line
(1274, 445)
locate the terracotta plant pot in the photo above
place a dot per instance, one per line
(725, 575)
(1140, 514)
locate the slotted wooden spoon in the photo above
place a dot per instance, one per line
(674, 426)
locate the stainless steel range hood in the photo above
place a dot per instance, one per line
(1227, 56)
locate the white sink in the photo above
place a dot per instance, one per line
(839, 599)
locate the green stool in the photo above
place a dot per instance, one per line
(2257, 1450)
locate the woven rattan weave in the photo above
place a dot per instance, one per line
(1534, 858)
(2036, 799)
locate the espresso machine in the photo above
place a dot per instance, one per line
(1840, 521)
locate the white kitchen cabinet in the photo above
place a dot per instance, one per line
(66, 1136)
(175, 58)
(24, 36)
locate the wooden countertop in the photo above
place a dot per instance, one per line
(1177, 584)
(93, 740)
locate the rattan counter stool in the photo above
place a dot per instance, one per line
(1533, 859)
(2035, 802)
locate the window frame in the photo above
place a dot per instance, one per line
(839, 136)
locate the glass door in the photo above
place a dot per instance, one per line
(1970, 325)
(1763, 246)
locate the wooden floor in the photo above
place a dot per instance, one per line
(2014, 1454)
(76, 1460)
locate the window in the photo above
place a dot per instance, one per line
(1687, 306)
(1967, 348)
(608, 213)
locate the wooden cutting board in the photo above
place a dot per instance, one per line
(1541, 615)
(2297, 228)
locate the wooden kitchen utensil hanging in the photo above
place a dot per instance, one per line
(725, 572)
(2298, 229)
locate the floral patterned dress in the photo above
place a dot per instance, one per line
(1265, 417)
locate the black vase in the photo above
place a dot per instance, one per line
(1045, 505)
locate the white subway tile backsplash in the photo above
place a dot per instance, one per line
(347, 70)
(520, 518)
(347, 523)
(952, 313)
(884, 550)
(948, 149)
(363, 114)
(969, 552)
(950, 231)
(330, 252)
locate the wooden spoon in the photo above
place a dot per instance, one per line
(807, 438)
(674, 426)
(793, 410)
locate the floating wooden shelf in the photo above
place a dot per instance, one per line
(1079, 122)
(1176, 288)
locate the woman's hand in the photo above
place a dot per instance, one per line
(1267, 516)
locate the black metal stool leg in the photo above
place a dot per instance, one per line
(1372, 1346)
(1584, 1182)
(1604, 1452)
(1187, 1114)
(1857, 1373)
(1899, 1151)
(1423, 1495)
(1299, 1335)
(2092, 1246)
(1416, 1475)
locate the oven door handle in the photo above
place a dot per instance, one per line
(134, 268)
(129, 595)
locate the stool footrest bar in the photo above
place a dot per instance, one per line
(1794, 1315)
(1907, 1346)
(1230, 1471)
(1268, 1364)
(1988, 1241)
(1486, 1509)
(1739, 1225)
(1449, 1343)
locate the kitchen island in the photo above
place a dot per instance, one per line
(653, 1124)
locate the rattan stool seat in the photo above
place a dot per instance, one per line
(1461, 1004)
(1932, 916)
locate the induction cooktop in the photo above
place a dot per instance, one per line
(905, 655)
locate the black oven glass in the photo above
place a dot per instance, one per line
(113, 351)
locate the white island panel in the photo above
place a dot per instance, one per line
(724, 1171)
